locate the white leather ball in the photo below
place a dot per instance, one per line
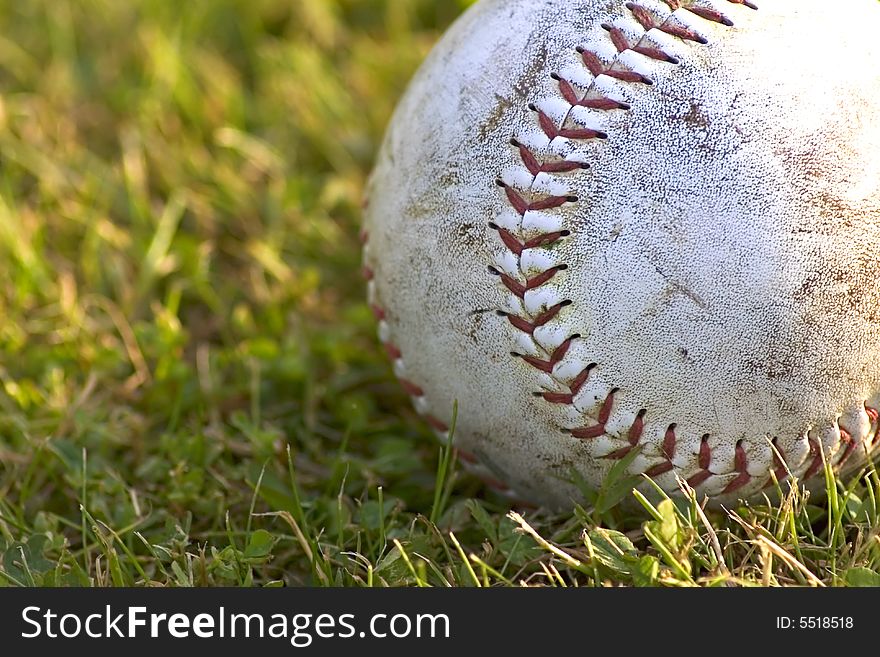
(642, 230)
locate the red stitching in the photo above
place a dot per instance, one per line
(436, 423)
(547, 203)
(594, 101)
(647, 21)
(618, 38)
(495, 484)
(598, 429)
(526, 326)
(816, 454)
(740, 465)
(781, 471)
(411, 388)
(669, 443)
(874, 417)
(518, 247)
(745, 3)
(552, 131)
(710, 15)
(394, 352)
(668, 450)
(633, 436)
(573, 388)
(531, 283)
(535, 167)
(467, 457)
(704, 460)
(847, 440)
(557, 355)
(596, 67)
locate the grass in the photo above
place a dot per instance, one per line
(191, 393)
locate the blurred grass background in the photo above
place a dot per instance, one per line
(184, 343)
(179, 264)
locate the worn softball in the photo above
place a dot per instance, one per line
(645, 232)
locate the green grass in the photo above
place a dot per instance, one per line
(190, 388)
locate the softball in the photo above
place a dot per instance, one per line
(640, 236)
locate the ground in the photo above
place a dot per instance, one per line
(191, 391)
